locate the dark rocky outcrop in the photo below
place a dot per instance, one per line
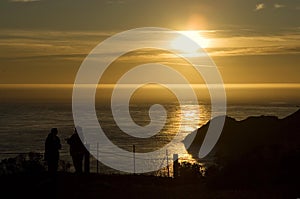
(257, 149)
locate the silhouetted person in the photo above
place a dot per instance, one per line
(77, 150)
(52, 147)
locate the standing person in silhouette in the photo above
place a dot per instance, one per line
(77, 149)
(52, 147)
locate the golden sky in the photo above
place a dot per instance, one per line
(252, 42)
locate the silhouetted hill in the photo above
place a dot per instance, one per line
(263, 148)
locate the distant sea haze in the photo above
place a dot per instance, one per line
(254, 93)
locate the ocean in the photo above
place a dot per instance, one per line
(24, 126)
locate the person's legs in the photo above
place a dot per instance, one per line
(80, 162)
(77, 161)
(74, 162)
(55, 165)
(52, 166)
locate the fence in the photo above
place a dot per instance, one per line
(172, 161)
(92, 165)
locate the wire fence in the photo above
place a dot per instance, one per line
(96, 166)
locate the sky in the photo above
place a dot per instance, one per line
(252, 42)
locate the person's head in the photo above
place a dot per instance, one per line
(54, 131)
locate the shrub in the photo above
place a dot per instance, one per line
(190, 170)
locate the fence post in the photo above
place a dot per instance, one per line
(97, 157)
(175, 165)
(87, 159)
(168, 163)
(133, 149)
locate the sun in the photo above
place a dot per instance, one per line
(184, 43)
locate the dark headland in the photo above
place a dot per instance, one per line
(262, 150)
(258, 157)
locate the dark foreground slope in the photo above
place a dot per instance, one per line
(257, 150)
(70, 186)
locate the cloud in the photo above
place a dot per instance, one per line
(276, 5)
(259, 6)
(247, 51)
(75, 45)
(24, 1)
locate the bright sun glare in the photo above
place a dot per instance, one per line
(184, 44)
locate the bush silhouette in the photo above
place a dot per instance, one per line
(190, 170)
(29, 163)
